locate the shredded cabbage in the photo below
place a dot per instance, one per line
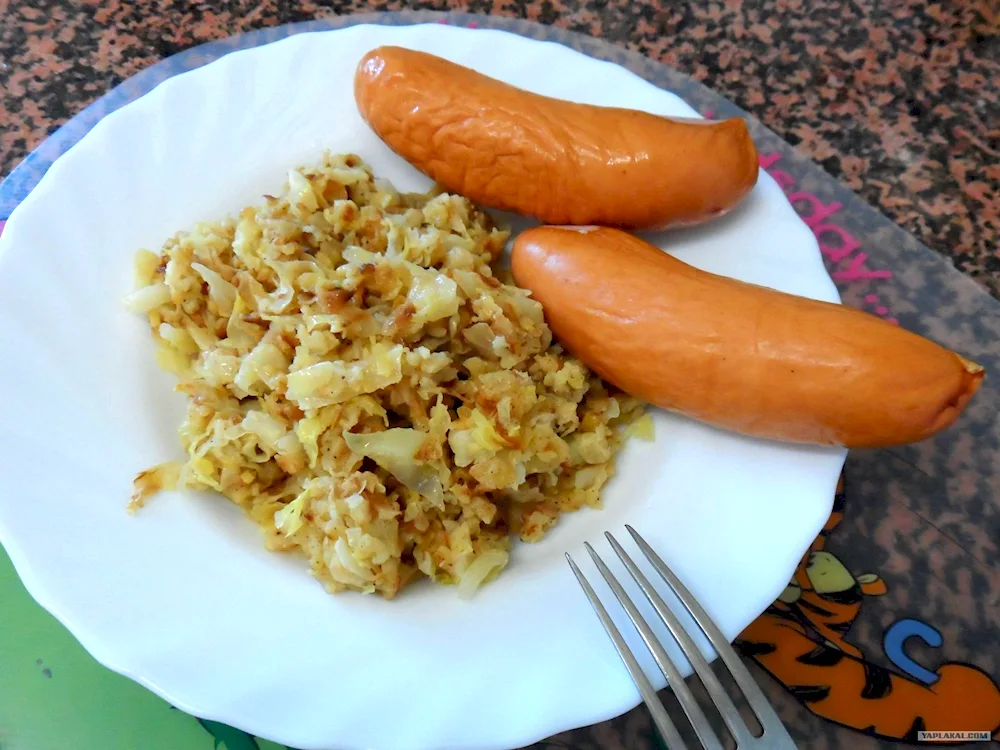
(147, 298)
(642, 428)
(363, 382)
(220, 291)
(480, 570)
(289, 518)
(395, 451)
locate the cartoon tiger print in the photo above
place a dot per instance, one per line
(800, 642)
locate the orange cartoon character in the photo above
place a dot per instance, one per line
(800, 641)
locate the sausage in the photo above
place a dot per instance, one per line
(735, 355)
(560, 162)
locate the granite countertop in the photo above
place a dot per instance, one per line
(896, 99)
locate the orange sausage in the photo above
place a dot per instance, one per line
(560, 162)
(736, 355)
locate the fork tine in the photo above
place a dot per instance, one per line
(774, 730)
(684, 696)
(730, 714)
(663, 723)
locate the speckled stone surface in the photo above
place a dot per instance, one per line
(923, 519)
(896, 99)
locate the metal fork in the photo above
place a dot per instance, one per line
(774, 737)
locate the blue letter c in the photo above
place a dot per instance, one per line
(895, 643)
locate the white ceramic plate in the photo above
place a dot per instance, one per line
(183, 597)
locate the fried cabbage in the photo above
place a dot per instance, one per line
(367, 387)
